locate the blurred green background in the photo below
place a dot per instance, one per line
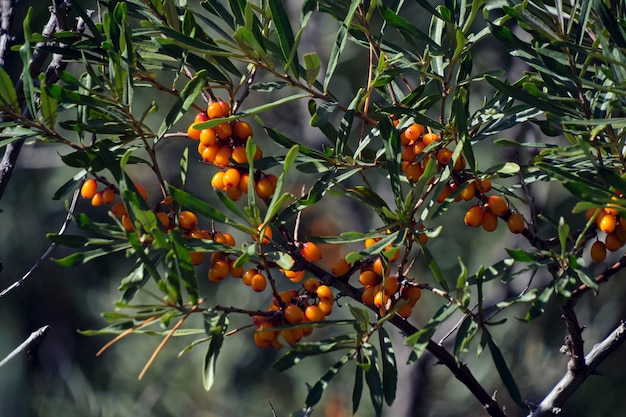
(63, 377)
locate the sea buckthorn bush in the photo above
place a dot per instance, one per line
(429, 146)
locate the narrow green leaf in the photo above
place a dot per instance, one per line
(315, 393)
(563, 231)
(184, 102)
(184, 165)
(372, 378)
(285, 36)
(391, 140)
(312, 66)
(216, 329)
(420, 339)
(357, 391)
(81, 258)
(340, 43)
(503, 371)
(185, 268)
(8, 96)
(305, 349)
(390, 368)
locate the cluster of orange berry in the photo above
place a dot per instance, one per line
(224, 146)
(610, 222)
(382, 290)
(414, 139)
(487, 215)
(311, 304)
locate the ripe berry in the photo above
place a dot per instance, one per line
(311, 285)
(215, 110)
(418, 147)
(217, 181)
(96, 200)
(413, 294)
(119, 209)
(193, 133)
(208, 137)
(612, 242)
(598, 251)
(606, 222)
(246, 278)
(314, 314)
(209, 153)
(242, 131)
(231, 178)
(405, 310)
(429, 138)
(444, 194)
(108, 196)
(142, 191)
(474, 216)
(264, 188)
(391, 285)
(310, 252)
(413, 171)
(489, 221)
(291, 336)
(444, 156)
(340, 268)
(324, 292)
(196, 258)
(380, 298)
(224, 130)
(294, 276)
(258, 282)
(187, 220)
(515, 223)
(368, 295)
(89, 188)
(483, 186)
(326, 306)
(239, 155)
(414, 131)
(222, 157)
(293, 314)
(498, 205)
(127, 223)
(368, 277)
(407, 154)
(468, 192)
(266, 233)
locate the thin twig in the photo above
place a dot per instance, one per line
(574, 341)
(46, 255)
(35, 338)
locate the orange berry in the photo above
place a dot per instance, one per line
(200, 117)
(459, 164)
(266, 234)
(239, 155)
(208, 137)
(444, 194)
(193, 133)
(340, 268)
(293, 314)
(264, 335)
(612, 242)
(229, 239)
(418, 147)
(314, 314)
(606, 222)
(413, 171)
(220, 269)
(96, 200)
(119, 209)
(368, 295)
(187, 220)
(127, 223)
(231, 178)
(405, 310)
(380, 298)
(294, 276)
(258, 282)
(246, 278)
(324, 292)
(235, 271)
(264, 188)
(224, 130)
(498, 205)
(108, 196)
(310, 252)
(414, 131)
(209, 153)
(590, 213)
(368, 277)
(413, 294)
(234, 193)
(215, 110)
(378, 268)
(142, 191)
(222, 157)
(474, 216)
(242, 130)
(311, 285)
(483, 186)
(326, 306)
(217, 181)
(370, 241)
(243, 182)
(516, 223)
(468, 191)
(291, 336)
(89, 188)
(196, 258)
(391, 285)
(429, 138)
(489, 221)
(444, 156)
(408, 154)
(598, 251)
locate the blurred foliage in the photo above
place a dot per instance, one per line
(370, 133)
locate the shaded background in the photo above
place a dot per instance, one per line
(63, 377)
